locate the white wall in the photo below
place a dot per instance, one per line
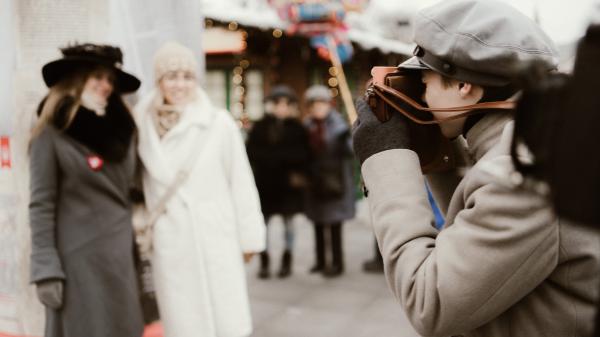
(31, 31)
(140, 27)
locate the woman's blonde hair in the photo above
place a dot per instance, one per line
(71, 86)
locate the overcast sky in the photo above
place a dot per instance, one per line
(564, 20)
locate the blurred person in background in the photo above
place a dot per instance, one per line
(82, 159)
(504, 264)
(213, 223)
(279, 154)
(331, 196)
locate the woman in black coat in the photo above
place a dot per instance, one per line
(279, 152)
(82, 160)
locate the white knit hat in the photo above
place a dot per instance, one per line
(317, 92)
(173, 56)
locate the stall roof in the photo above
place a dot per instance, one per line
(385, 25)
(260, 15)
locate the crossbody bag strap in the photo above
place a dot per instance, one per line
(180, 178)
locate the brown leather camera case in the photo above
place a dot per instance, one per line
(396, 90)
(433, 149)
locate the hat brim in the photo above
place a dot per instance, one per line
(56, 70)
(272, 98)
(413, 63)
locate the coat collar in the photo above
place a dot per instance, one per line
(198, 114)
(486, 133)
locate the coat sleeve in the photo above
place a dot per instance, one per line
(250, 221)
(345, 144)
(255, 146)
(45, 260)
(499, 248)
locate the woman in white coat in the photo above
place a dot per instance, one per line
(213, 223)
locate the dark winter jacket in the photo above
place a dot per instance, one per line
(278, 151)
(331, 193)
(81, 222)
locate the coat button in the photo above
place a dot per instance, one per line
(447, 68)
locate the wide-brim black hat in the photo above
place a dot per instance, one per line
(89, 54)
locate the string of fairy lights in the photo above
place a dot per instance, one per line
(238, 74)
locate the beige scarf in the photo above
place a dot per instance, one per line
(165, 119)
(166, 116)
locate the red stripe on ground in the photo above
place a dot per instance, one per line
(152, 330)
(2, 334)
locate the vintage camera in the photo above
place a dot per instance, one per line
(392, 91)
(396, 90)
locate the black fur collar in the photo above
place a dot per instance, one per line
(109, 135)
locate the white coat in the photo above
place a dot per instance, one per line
(213, 218)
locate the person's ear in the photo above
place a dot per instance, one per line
(470, 91)
(465, 89)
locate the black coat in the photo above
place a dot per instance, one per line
(81, 223)
(279, 149)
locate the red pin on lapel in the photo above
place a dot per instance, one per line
(95, 162)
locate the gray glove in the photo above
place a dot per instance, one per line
(50, 293)
(370, 136)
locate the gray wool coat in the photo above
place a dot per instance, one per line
(82, 234)
(503, 266)
(337, 153)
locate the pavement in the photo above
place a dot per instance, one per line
(356, 304)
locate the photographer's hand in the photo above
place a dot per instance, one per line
(370, 136)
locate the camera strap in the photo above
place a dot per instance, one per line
(395, 99)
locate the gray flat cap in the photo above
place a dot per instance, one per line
(483, 42)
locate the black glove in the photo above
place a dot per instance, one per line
(370, 136)
(50, 293)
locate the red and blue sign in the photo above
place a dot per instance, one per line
(319, 21)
